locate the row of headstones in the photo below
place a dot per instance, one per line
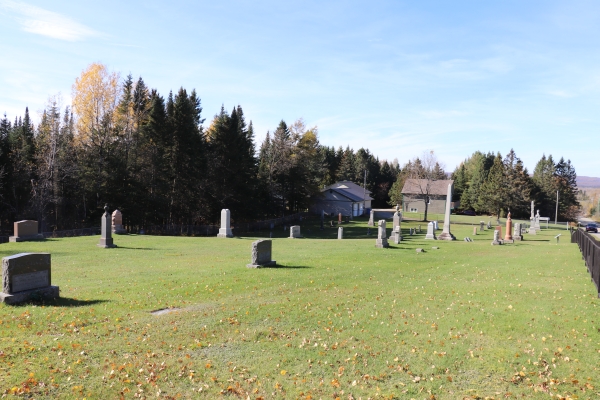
(27, 230)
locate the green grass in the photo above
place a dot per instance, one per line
(337, 319)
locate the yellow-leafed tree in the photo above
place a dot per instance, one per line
(95, 98)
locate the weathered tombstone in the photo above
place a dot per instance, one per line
(27, 276)
(496, 240)
(117, 223)
(419, 229)
(517, 232)
(481, 223)
(468, 239)
(371, 218)
(446, 234)
(532, 230)
(537, 221)
(339, 218)
(430, 232)
(435, 247)
(106, 240)
(25, 230)
(397, 235)
(532, 217)
(340, 232)
(474, 231)
(508, 236)
(381, 241)
(420, 251)
(435, 225)
(225, 229)
(261, 254)
(397, 219)
(499, 229)
(489, 225)
(295, 232)
(410, 231)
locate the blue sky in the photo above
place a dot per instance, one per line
(398, 78)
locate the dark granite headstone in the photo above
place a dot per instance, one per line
(27, 276)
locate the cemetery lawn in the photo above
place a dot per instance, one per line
(337, 319)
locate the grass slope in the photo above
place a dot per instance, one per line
(337, 319)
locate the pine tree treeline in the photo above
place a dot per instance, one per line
(488, 183)
(124, 144)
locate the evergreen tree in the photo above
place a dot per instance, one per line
(493, 195)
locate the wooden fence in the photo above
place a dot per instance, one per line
(590, 252)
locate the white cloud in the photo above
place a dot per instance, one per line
(46, 23)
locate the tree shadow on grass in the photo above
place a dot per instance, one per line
(61, 302)
(280, 266)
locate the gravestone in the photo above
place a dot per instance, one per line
(446, 234)
(419, 229)
(537, 221)
(381, 241)
(496, 240)
(340, 232)
(420, 251)
(295, 232)
(117, 223)
(27, 276)
(517, 235)
(225, 229)
(261, 254)
(489, 225)
(339, 218)
(371, 218)
(532, 230)
(396, 235)
(430, 232)
(557, 237)
(499, 229)
(508, 236)
(106, 240)
(481, 223)
(532, 217)
(25, 230)
(410, 231)
(474, 231)
(397, 219)
(435, 225)
(468, 239)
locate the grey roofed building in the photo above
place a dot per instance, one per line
(414, 195)
(343, 197)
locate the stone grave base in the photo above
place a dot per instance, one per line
(499, 242)
(25, 238)
(118, 229)
(381, 243)
(47, 293)
(518, 238)
(532, 231)
(508, 241)
(446, 236)
(271, 263)
(431, 237)
(106, 244)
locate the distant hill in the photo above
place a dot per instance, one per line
(588, 182)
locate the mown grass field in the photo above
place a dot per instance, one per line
(337, 319)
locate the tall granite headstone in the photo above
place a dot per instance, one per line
(27, 276)
(446, 234)
(117, 223)
(517, 235)
(508, 236)
(261, 254)
(496, 240)
(106, 240)
(430, 232)
(371, 218)
(24, 231)
(225, 229)
(381, 241)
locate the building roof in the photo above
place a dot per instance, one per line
(417, 186)
(350, 190)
